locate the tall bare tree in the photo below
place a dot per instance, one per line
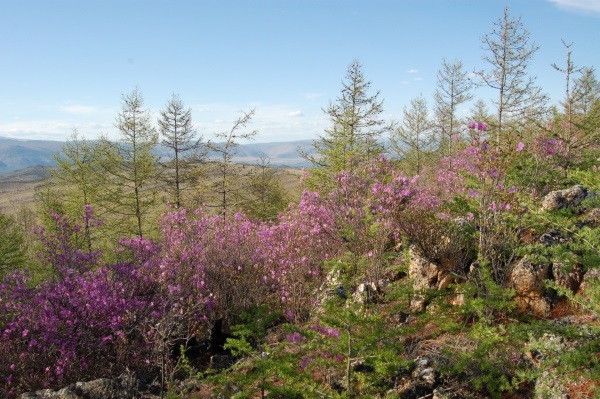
(229, 185)
(572, 126)
(508, 52)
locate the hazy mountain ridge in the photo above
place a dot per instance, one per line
(18, 154)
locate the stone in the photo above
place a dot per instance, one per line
(421, 382)
(552, 237)
(567, 198)
(366, 293)
(527, 279)
(571, 279)
(590, 279)
(592, 219)
(124, 387)
(425, 276)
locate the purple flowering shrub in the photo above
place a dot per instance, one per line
(80, 324)
(91, 319)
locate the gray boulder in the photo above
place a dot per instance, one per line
(566, 198)
(124, 387)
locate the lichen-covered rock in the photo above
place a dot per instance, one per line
(425, 276)
(592, 218)
(569, 279)
(527, 279)
(421, 382)
(366, 293)
(124, 387)
(544, 353)
(591, 279)
(566, 198)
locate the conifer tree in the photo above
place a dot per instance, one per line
(130, 165)
(508, 54)
(572, 126)
(453, 90)
(355, 132)
(586, 91)
(412, 140)
(12, 251)
(179, 136)
(230, 184)
(267, 195)
(77, 175)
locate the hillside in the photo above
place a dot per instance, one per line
(17, 188)
(18, 154)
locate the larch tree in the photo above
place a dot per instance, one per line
(354, 136)
(230, 183)
(12, 250)
(412, 140)
(185, 148)
(479, 112)
(78, 177)
(130, 165)
(508, 52)
(586, 91)
(571, 126)
(453, 90)
(268, 197)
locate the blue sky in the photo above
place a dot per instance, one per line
(65, 64)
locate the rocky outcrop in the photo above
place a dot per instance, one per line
(366, 293)
(124, 387)
(567, 198)
(421, 382)
(425, 276)
(590, 279)
(544, 353)
(569, 279)
(592, 219)
(527, 279)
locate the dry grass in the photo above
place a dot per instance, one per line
(18, 191)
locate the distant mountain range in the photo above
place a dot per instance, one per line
(18, 154)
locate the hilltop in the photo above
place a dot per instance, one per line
(18, 154)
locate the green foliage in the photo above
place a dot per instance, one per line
(266, 195)
(186, 153)
(12, 249)
(130, 168)
(485, 299)
(248, 344)
(413, 140)
(489, 358)
(230, 186)
(77, 177)
(356, 128)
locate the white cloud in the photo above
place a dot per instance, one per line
(418, 78)
(412, 70)
(405, 82)
(312, 96)
(274, 122)
(79, 109)
(578, 5)
(51, 129)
